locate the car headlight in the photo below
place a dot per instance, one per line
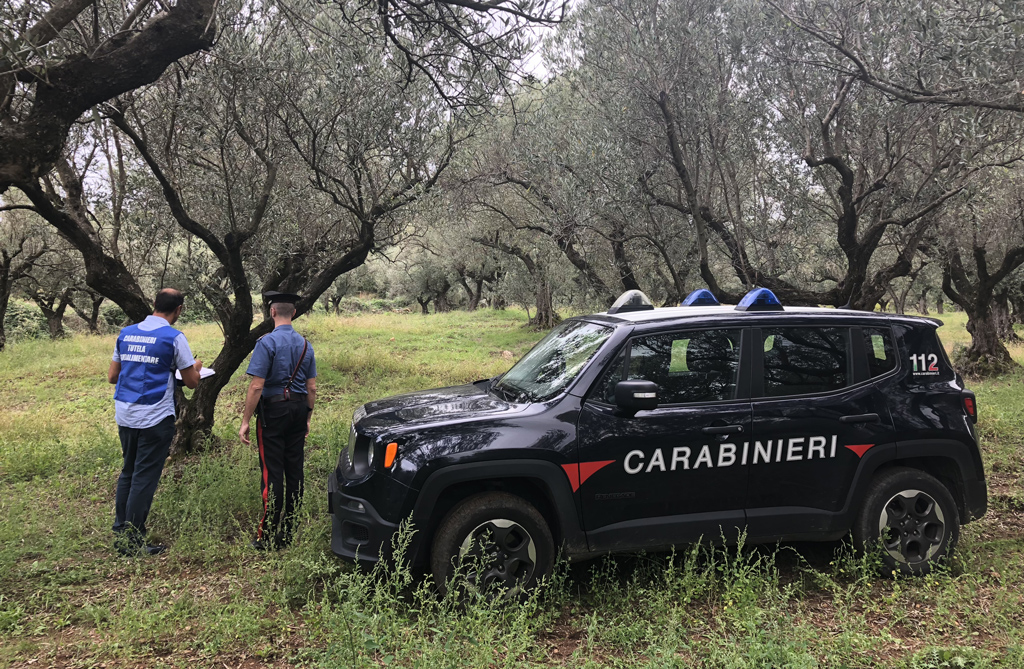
(352, 443)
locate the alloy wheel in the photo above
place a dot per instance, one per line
(499, 552)
(912, 527)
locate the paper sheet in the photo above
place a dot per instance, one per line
(203, 373)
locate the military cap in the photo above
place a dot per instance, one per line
(274, 297)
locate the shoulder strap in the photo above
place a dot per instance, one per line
(305, 345)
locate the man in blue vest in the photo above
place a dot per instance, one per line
(282, 392)
(145, 358)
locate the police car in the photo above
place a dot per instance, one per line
(644, 428)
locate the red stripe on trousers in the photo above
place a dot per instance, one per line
(266, 483)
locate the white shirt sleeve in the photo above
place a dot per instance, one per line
(182, 353)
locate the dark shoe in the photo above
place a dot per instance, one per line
(129, 551)
(260, 545)
(154, 549)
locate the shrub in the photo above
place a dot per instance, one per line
(24, 321)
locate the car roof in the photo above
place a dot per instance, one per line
(725, 311)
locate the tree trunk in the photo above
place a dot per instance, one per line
(5, 299)
(986, 356)
(441, 303)
(53, 311)
(478, 292)
(1017, 302)
(922, 304)
(91, 317)
(938, 304)
(626, 275)
(195, 415)
(424, 306)
(1001, 317)
(6, 285)
(546, 317)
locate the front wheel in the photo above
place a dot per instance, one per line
(494, 543)
(910, 519)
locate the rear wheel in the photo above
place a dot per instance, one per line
(910, 519)
(493, 543)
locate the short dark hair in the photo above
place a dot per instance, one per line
(284, 309)
(167, 300)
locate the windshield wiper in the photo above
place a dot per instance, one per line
(512, 394)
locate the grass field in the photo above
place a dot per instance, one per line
(67, 600)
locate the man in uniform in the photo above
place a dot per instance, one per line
(281, 393)
(145, 358)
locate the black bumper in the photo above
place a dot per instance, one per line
(357, 531)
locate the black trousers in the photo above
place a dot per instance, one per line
(281, 436)
(144, 451)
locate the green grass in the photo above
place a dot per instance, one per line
(65, 600)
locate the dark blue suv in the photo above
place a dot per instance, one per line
(643, 428)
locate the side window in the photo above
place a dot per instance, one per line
(802, 361)
(880, 350)
(699, 366)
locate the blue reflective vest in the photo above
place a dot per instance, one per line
(147, 360)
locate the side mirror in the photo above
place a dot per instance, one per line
(636, 395)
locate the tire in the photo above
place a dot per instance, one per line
(495, 543)
(909, 519)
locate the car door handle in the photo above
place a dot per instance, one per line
(860, 418)
(722, 429)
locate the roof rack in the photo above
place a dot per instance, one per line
(702, 297)
(759, 299)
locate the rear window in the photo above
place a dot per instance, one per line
(880, 350)
(805, 360)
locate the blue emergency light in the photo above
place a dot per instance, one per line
(702, 297)
(759, 299)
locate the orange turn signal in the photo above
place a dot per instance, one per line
(389, 454)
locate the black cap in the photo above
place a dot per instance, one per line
(274, 297)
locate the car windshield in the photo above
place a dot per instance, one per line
(553, 363)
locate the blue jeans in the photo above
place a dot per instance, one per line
(144, 451)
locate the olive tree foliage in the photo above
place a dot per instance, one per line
(60, 59)
(289, 155)
(952, 53)
(983, 245)
(786, 175)
(944, 56)
(560, 173)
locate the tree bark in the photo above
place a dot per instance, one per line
(91, 317)
(53, 308)
(30, 146)
(976, 295)
(1001, 316)
(545, 317)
